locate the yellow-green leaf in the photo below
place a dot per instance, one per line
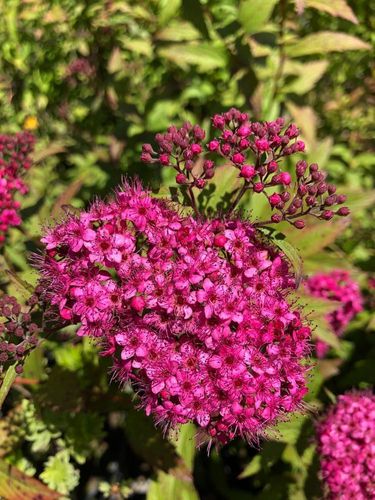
(254, 14)
(324, 42)
(336, 8)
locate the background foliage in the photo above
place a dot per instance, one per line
(94, 80)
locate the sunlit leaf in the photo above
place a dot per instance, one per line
(205, 56)
(323, 42)
(254, 14)
(336, 8)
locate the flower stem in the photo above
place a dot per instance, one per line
(193, 201)
(240, 193)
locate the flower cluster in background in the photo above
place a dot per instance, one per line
(18, 333)
(14, 160)
(194, 312)
(336, 285)
(346, 443)
(257, 151)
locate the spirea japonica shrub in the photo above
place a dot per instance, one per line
(195, 311)
(336, 285)
(346, 444)
(15, 159)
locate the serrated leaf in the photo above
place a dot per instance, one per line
(254, 14)
(59, 474)
(336, 8)
(15, 485)
(206, 56)
(324, 42)
(316, 236)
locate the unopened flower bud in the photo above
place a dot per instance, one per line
(341, 198)
(247, 172)
(200, 183)
(272, 167)
(343, 211)
(181, 179)
(196, 149)
(276, 218)
(258, 187)
(238, 158)
(299, 224)
(327, 215)
(213, 145)
(274, 199)
(164, 159)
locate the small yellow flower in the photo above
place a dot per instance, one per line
(31, 123)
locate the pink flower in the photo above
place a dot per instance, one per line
(194, 313)
(338, 286)
(346, 437)
(15, 153)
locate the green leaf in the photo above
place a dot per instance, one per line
(336, 8)
(185, 444)
(15, 485)
(148, 442)
(7, 382)
(316, 310)
(316, 235)
(324, 42)
(289, 431)
(168, 10)
(289, 251)
(178, 31)
(254, 14)
(59, 474)
(168, 487)
(308, 75)
(206, 56)
(252, 468)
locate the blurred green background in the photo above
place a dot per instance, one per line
(95, 79)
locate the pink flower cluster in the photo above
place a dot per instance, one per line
(346, 444)
(336, 285)
(194, 312)
(14, 160)
(257, 151)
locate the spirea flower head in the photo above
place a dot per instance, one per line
(14, 160)
(336, 285)
(346, 445)
(194, 312)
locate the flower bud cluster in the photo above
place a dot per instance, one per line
(346, 441)
(18, 334)
(336, 285)
(14, 160)
(180, 148)
(256, 150)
